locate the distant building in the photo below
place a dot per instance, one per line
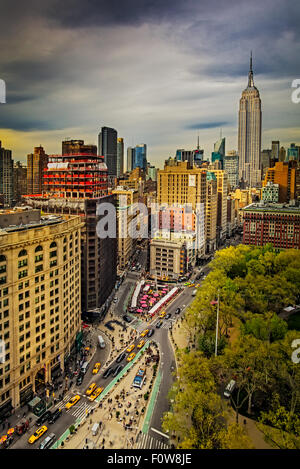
(249, 134)
(219, 152)
(270, 192)
(36, 164)
(293, 152)
(151, 172)
(74, 147)
(282, 154)
(211, 212)
(107, 147)
(140, 157)
(266, 161)
(120, 157)
(231, 166)
(19, 181)
(277, 224)
(130, 158)
(275, 150)
(287, 176)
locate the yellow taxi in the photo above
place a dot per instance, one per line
(90, 389)
(40, 431)
(72, 401)
(96, 368)
(130, 357)
(96, 393)
(140, 344)
(191, 285)
(162, 315)
(144, 333)
(130, 348)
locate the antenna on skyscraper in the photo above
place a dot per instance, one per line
(198, 147)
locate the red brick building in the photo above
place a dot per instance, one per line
(277, 224)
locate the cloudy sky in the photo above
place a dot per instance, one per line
(158, 71)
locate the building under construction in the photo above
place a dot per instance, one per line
(76, 183)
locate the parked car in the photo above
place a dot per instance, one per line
(159, 324)
(229, 388)
(79, 379)
(115, 299)
(168, 316)
(43, 418)
(54, 416)
(177, 311)
(127, 318)
(121, 357)
(150, 333)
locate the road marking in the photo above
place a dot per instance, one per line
(160, 433)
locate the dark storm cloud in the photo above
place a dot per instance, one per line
(207, 125)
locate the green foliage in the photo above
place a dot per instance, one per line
(271, 329)
(207, 343)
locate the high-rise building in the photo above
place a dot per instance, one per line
(107, 147)
(6, 175)
(140, 157)
(151, 172)
(130, 158)
(36, 164)
(77, 184)
(219, 152)
(211, 212)
(120, 157)
(231, 166)
(73, 147)
(282, 154)
(125, 198)
(286, 175)
(266, 161)
(222, 189)
(19, 181)
(293, 152)
(40, 301)
(249, 134)
(275, 150)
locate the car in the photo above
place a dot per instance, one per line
(144, 333)
(162, 315)
(121, 357)
(43, 418)
(127, 318)
(130, 348)
(54, 416)
(168, 316)
(115, 299)
(130, 357)
(107, 372)
(117, 370)
(177, 310)
(90, 389)
(96, 368)
(140, 344)
(72, 401)
(79, 379)
(191, 285)
(230, 388)
(40, 431)
(47, 442)
(150, 333)
(96, 393)
(159, 324)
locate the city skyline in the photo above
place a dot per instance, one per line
(172, 86)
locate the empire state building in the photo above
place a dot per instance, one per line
(249, 143)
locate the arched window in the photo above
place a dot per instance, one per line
(38, 248)
(2, 258)
(22, 253)
(53, 245)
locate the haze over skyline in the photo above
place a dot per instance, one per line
(157, 72)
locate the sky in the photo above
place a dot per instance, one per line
(160, 72)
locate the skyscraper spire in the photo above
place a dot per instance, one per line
(198, 146)
(250, 74)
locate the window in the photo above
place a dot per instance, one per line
(53, 245)
(22, 253)
(38, 249)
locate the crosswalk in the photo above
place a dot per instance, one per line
(80, 409)
(147, 441)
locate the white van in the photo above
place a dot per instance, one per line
(194, 292)
(84, 367)
(101, 341)
(229, 388)
(95, 429)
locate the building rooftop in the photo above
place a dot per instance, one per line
(44, 221)
(273, 207)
